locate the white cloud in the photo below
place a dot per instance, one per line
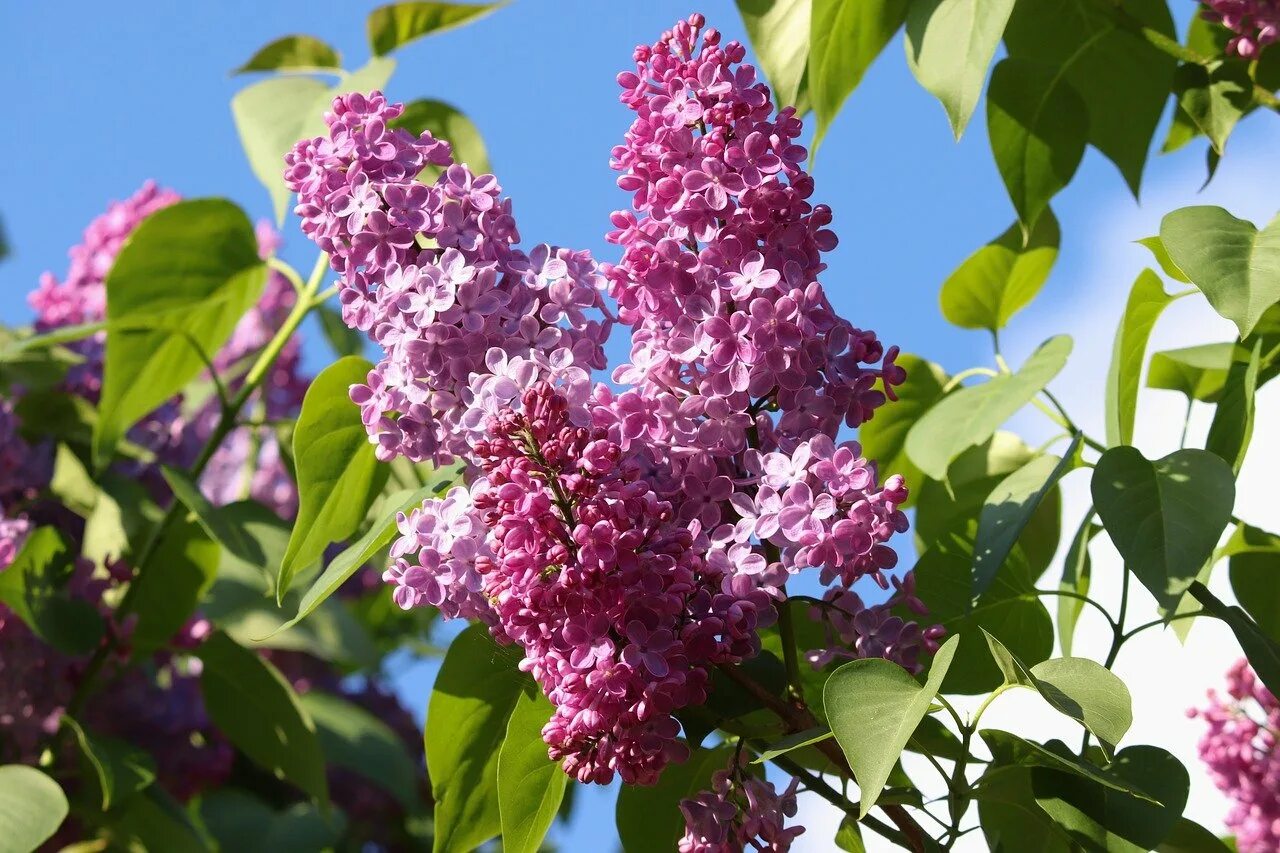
(1165, 677)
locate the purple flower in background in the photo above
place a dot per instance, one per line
(1256, 23)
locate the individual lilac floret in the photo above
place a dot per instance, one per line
(446, 537)
(740, 812)
(1256, 23)
(1240, 750)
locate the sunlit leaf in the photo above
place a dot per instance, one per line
(1001, 278)
(293, 53)
(530, 785)
(1147, 301)
(397, 24)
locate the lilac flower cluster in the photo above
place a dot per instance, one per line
(1256, 23)
(629, 538)
(1240, 750)
(468, 323)
(740, 812)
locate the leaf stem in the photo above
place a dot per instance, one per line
(1063, 593)
(954, 381)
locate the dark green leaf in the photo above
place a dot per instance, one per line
(1187, 836)
(530, 785)
(353, 738)
(874, 707)
(156, 821)
(884, 437)
(1001, 278)
(933, 738)
(293, 53)
(474, 695)
(845, 37)
(1232, 426)
(1009, 749)
(1010, 818)
(254, 706)
(221, 526)
(448, 123)
(1147, 301)
(1198, 372)
(180, 571)
(779, 33)
(1077, 573)
(1164, 517)
(176, 291)
(1010, 507)
(1124, 80)
(1262, 651)
(32, 807)
(1213, 100)
(240, 821)
(1037, 125)
(342, 339)
(649, 817)
(950, 44)
(398, 24)
(1235, 265)
(1255, 580)
(33, 588)
(121, 770)
(338, 472)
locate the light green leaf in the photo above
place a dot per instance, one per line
(950, 44)
(1123, 80)
(122, 514)
(849, 836)
(1235, 265)
(293, 53)
(182, 569)
(530, 785)
(121, 770)
(398, 24)
(1232, 426)
(353, 738)
(649, 817)
(798, 740)
(1009, 508)
(175, 293)
(845, 37)
(1164, 517)
(1213, 100)
(1198, 372)
(33, 588)
(253, 705)
(1001, 278)
(971, 415)
(1037, 125)
(32, 807)
(1147, 301)
(339, 476)
(884, 437)
(779, 33)
(1077, 574)
(874, 706)
(1088, 693)
(471, 702)
(1262, 651)
(448, 123)
(72, 483)
(1167, 266)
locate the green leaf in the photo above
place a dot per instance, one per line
(884, 437)
(398, 24)
(1123, 80)
(33, 588)
(72, 483)
(874, 706)
(1167, 266)
(222, 527)
(1198, 372)
(293, 53)
(649, 817)
(273, 114)
(845, 37)
(472, 700)
(448, 123)
(1262, 651)
(1254, 576)
(1009, 749)
(1077, 573)
(849, 836)
(1232, 426)
(353, 738)
(1102, 818)
(253, 705)
(933, 738)
(181, 570)
(1187, 836)
(1147, 301)
(1213, 100)
(796, 740)
(971, 415)
(1009, 508)
(530, 785)
(950, 44)
(123, 513)
(779, 33)
(1010, 610)
(175, 293)
(1164, 517)
(240, 821)
(1235, 265)
(342, 339)
(1010, 817)
(338, 472)
(1038, 126)
(156, 821)
(1001, 278)
(32, 807)
(121, 770)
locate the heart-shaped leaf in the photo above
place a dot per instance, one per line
(1001, 278)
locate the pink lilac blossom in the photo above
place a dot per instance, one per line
(1256, 23)
(1240, 750)
(740, 812)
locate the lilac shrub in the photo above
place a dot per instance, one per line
(1255, 23)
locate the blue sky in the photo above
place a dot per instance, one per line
(104, 96)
